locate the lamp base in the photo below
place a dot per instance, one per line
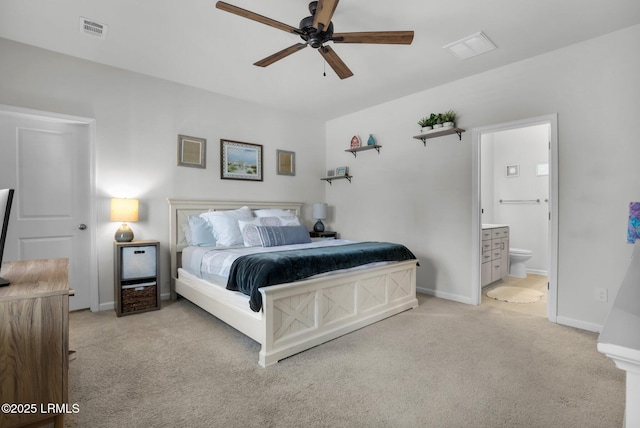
(318, 227)
(124, 234)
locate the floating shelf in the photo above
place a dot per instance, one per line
(363, 148)
(337, 177)
(440, 132)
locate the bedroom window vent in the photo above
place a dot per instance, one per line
(93, 28)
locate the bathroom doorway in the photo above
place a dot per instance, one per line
(515, 183)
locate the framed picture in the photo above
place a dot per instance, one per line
(512, 170)
(355, 142)
(240, 161)
(341, 171)
(286, 162)
(542, 169)
(192, 151)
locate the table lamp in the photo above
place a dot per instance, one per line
(319, 212)
(124, 210)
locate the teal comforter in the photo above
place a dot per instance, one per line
(249, 273)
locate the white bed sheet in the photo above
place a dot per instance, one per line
(217, 261)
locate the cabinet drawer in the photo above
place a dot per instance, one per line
(496, 270)
(486, 257)
(496, 254)
(139, 297)
(486, 234)
(496, 244)
(486, 246)
(138, 262)
(499, 232)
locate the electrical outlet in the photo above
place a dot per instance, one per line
(601, 294)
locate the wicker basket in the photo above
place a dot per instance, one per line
(139, 298)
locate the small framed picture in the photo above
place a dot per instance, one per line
(513, 170)
(542, 169)
(341, 171)
(355, 142)
(286, 162)
(192, 151)
(240, 161)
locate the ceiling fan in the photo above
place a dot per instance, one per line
(316, 30)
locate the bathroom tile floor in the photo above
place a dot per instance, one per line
(532, 281)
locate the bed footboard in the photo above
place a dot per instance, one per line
(304, 314)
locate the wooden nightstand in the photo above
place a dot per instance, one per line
(323, 235)
(137, 276)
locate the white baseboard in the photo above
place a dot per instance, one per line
(582, 325)
(446, 296)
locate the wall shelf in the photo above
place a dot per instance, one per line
(439, 133)
(363, 148)
(338, 177)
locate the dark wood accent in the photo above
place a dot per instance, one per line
(335, 62)
(140, 294)
(256, 17)
(375, 37)
(279, 55)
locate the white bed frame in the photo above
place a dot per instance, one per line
(303, 314)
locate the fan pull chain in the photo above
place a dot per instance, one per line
(324, 68)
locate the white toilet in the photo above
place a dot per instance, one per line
(517, 257)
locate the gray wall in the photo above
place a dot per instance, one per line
(138, 119)
(417, 195)
(422, 196)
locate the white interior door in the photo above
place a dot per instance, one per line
(47, 162)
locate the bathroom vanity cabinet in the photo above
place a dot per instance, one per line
(495, 253)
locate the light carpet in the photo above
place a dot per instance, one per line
(443, 364)
(508, 293)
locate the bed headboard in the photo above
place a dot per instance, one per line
(181, 209)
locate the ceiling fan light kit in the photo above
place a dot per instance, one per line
(316, 30)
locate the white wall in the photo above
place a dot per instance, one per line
(528, 222)
(422, 196)
(138, 119)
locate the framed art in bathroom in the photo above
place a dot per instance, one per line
(512, 170)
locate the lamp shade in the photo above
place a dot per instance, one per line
(319, 211)
(124, 210)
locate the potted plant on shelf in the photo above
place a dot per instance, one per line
(424, 125)
(448, 119)
(437, 118)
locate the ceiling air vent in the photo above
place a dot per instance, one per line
(93, 28)
(470, 46)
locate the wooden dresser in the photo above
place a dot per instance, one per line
(34, 341)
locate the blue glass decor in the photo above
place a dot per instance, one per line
(371, 141)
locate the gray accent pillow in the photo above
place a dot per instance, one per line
(272, 236)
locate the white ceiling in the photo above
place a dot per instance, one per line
(192, 42)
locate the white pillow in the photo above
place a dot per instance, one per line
(249, 228)
(225, 225)
(275, 212)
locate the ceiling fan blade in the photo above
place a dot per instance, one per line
(335, 62)
(382, 37)
(324, 13)
(254, 16)
(279, 55)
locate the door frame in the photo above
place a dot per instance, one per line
(476, 214)
(94, 298)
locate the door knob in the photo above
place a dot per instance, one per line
(82, 226)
